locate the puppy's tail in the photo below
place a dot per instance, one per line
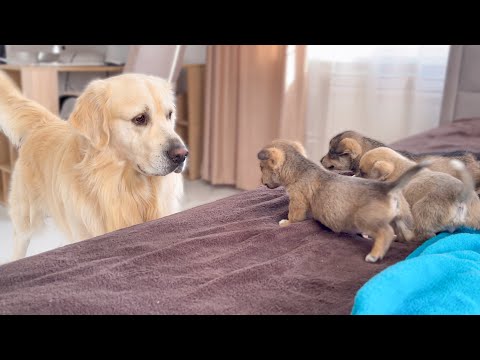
(406, 177)
(467, 179)
(18, 115)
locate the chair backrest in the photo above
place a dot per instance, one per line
(164, 61)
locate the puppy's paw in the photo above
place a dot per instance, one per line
(284, 222)
(451, 229)
(371, 259)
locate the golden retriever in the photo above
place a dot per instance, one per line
(116, 162)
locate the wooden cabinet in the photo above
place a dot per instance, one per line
(8, 155)
(190, 113)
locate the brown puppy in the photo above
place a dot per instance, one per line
(438, 201)
(348, 147)
(342, 203)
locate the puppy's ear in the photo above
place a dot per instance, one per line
(381, 170)
(90, 114)
(275, 157)
(298, 145)
(350, 146)
(263, 155)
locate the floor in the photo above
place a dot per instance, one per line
(197, 193)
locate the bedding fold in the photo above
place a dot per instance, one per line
(226, 257)
(441, 277)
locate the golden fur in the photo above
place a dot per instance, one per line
(438, 200)
(98, 171)
(344, 204)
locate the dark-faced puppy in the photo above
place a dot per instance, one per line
(344, 204)
(347, 148)
(438, 200)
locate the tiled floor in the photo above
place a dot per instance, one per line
(197, 192)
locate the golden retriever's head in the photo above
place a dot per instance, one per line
(273, 158)
(132, 115)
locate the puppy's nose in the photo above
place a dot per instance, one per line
(177, 153)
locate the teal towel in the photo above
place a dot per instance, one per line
(442, 276)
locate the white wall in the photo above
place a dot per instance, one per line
(195, 54)
(67, 53)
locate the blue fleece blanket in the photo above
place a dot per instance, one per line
(442, 276)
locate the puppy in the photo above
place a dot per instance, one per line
(347, 148)
(438, 201)
(115, 163)
(342, 203)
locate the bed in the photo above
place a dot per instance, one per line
(226, 257)
(230, 256)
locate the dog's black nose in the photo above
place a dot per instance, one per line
(177, 153)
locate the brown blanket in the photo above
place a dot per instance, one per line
(460, 135)
(226, 257)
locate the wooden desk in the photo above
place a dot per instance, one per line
(40, 82)
(190, 113)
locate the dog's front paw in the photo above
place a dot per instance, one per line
(371, 259)
(283, 222)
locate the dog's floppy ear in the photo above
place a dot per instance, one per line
(90, 115)
(275, 157)
(381, 170)
(350, 146)
(298, 145)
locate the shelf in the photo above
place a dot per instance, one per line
(6, 168)
(70, 93)
(4, 187)
(65, 67)
(190, 109)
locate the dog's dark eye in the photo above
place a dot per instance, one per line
(169, 115)
(140, 119)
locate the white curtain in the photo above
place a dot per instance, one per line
(386, 92)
